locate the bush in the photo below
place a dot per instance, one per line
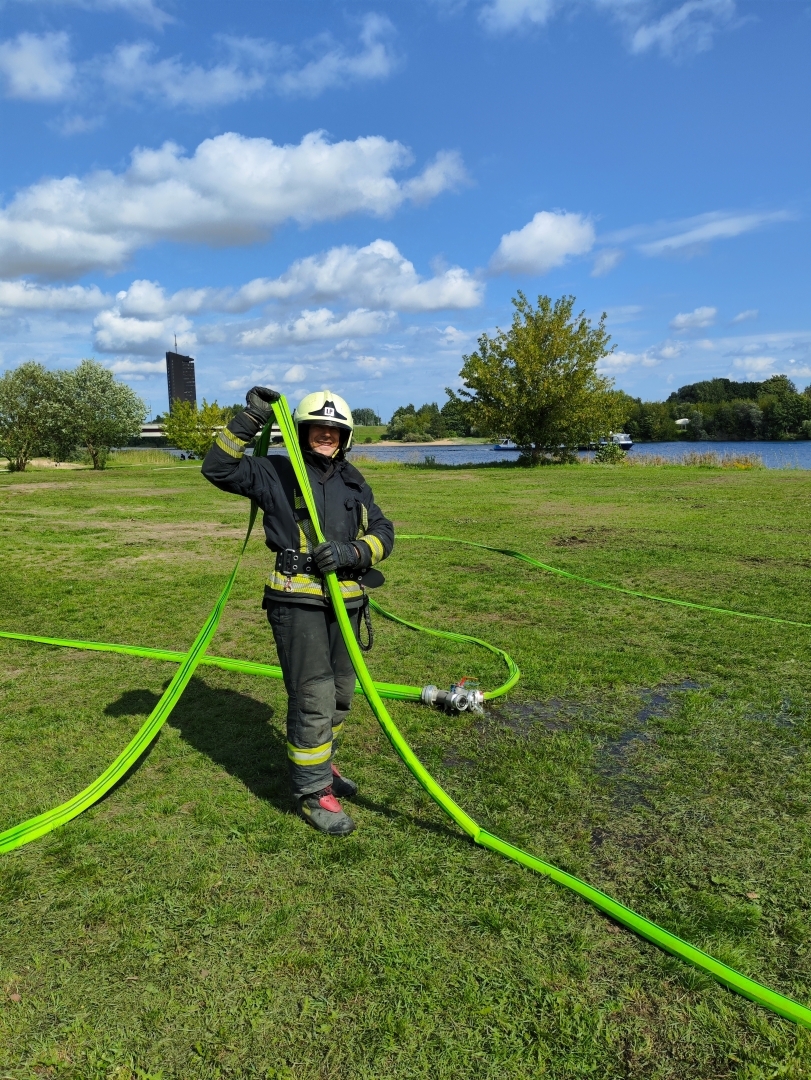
(609, 453)
(194, 430)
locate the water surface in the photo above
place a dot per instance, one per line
(775, 455)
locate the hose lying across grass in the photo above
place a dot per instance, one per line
(375, 692)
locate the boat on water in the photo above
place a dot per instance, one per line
(620, 438)
(505, 444)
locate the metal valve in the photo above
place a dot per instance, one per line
(464, 696)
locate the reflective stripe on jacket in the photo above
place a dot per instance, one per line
(344, 501)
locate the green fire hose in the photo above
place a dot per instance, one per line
(375, 692)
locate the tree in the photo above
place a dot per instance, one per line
(103, 413)
(28, 403)
(456, 414)
(538, 384)
(365, 417)
(417, 425)
(194, 430)
(783, 409)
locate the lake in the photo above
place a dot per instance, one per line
(775, 455)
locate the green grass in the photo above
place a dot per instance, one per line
(189, 926)
(139, 456)
(364, 433)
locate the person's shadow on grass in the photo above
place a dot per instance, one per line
(232, 729)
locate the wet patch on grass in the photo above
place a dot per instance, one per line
(657, 703)
(786, 716)
(521, 718)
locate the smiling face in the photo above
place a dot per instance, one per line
(323, 440)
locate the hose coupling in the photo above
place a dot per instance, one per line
(464, 696)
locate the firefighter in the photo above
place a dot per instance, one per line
(318, 673)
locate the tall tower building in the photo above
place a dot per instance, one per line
(180, 376)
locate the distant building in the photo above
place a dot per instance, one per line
(180, 377)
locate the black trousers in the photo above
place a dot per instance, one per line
(320, 681)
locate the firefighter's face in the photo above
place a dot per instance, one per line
(324, 440)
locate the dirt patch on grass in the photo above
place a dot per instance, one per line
(22, 489)
(138, 531)
(593, 534)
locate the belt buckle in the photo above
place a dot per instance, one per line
(290, 561)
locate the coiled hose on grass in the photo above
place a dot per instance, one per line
(374, 693)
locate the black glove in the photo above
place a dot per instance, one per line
(333, 555)
(259, 399)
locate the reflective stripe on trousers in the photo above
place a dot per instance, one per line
(320, 682)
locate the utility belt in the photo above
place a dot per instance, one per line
(296, 572)
(291, 563)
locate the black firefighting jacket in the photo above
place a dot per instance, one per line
(346, 511)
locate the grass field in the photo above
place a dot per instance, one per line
(190, 927)
(369, 433)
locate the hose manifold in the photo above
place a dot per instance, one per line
(464, 696)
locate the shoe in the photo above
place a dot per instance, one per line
(343, 788)
(323, 811)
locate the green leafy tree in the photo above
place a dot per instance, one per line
(538, 383)
(28, 401)
(194, 430)
(716, 390)
(365, 417)
(783, 409)
(650, 421)
(456, 414)
(103, 413)
(417, 425)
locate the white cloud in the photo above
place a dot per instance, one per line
(320, 325)
(623, 313)
(445, 172)
(544, 243)
(717, 225)
(373, 366)
(606, 260)
(25, 296)
(501, 15)
(619, 361)
(757, 367)
(146, 11)
(453, 338)
(337, 67)
(37, 67)
(147, 299)
(76, 124)
(132, 71)
(296, 374)
(117, 333)
(694, 320)
(743, 316)
(138, 367)
(232, 190)
(376, 276)
(688, 28)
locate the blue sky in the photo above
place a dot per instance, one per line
(347, 194)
